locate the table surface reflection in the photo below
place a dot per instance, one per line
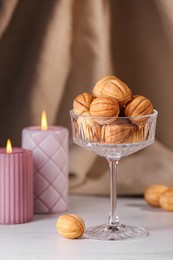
(40, 240)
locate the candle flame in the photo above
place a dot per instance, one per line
(43, 121)
(8, 146)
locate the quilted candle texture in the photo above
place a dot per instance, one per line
(50, 157)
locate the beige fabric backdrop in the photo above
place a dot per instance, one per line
(52, 50)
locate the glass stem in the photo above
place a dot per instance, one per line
(113, 217)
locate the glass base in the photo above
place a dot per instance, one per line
(120, 232)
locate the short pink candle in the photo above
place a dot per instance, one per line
(50, 156)
(16, 186)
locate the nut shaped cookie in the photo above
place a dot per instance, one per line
(104, 107)
(70, 226)
(111, 86)
(138, 106)
(116, 134)
(152, 194)
(82, 103)
(88, 128)
(166, 200)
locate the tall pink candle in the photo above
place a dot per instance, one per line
(16, 186)
(50, 156)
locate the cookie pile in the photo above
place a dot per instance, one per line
(103, 113)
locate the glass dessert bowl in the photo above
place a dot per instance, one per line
(113, 138)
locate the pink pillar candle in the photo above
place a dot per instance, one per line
(50, 156)
(16, 186)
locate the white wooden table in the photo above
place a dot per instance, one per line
(39, 239)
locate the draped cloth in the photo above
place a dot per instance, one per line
(53, 50)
